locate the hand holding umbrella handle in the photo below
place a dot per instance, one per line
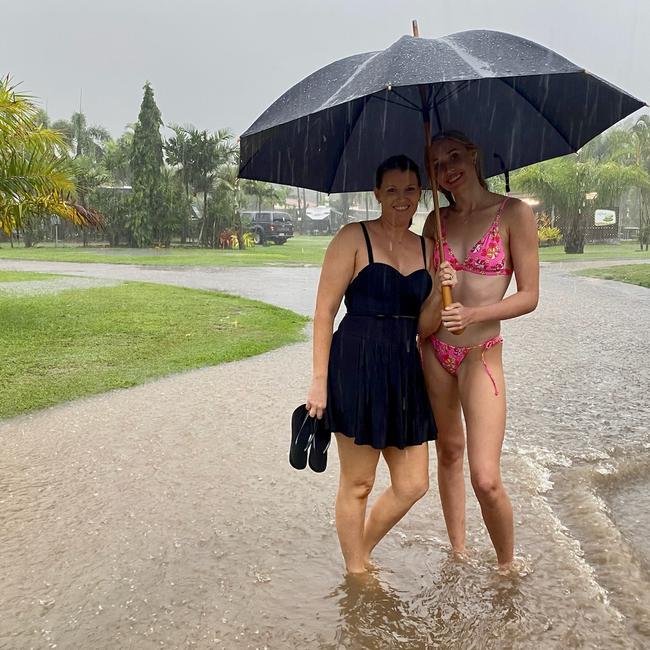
(447, 297)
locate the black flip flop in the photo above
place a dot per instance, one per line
(301, 437)
(319, 446)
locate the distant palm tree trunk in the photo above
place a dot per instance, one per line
(205, 216)
(215, 239)
(185, 226)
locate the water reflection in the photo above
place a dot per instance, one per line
(467, 604)
(167, 513)
(372, 614)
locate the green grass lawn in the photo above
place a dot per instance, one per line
(296, 252)
(24, 276)
(55, 348)
(622, 251)
(630, 273)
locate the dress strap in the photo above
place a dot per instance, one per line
(371, 259)
(424, 251)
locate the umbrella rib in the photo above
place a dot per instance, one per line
(502, 80)
(408, 104)
(536, 109)
(451, 93)
(413, 107)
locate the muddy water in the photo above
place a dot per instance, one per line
(167, 515)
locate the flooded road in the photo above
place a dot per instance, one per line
(167, 515)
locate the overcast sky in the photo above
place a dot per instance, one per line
(218, 64)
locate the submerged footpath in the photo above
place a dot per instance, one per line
(167, 514)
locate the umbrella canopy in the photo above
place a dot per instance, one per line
(520, 102)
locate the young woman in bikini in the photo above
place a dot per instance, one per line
(486, 238)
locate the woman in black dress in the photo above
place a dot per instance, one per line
(367, 377)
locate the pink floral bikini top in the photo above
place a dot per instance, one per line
(486, 257)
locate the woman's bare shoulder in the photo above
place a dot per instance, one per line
(351, 231)
(429, 229)
(347, 239)
(517, 213)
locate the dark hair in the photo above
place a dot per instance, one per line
(401, 162)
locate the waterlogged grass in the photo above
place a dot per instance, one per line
(24, 276)
(54, 348)
(298, 251)
(623, 251)
(630, 273)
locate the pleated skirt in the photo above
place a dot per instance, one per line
(376, 392)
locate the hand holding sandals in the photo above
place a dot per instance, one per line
(317, 397)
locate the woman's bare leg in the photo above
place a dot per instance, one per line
(450, 445)
(409, 474)
(358, 464)
(485, 418)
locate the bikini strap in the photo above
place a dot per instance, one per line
(371, 258)
(500, 210)
(424, 251)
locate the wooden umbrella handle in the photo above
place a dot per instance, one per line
(447, 297)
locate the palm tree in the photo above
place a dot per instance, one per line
(211, 152)
(82, 139)
(117, 158)
(36, 177)
(565, 183)
(180, 156)
(629, 147)
(229, 183)
(263, 192)
(197, 157)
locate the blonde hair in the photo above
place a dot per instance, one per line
(461, 138)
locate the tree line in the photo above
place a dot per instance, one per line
(145, 190)
(613, 170)
(138, 190)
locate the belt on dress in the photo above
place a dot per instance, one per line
(407, 316)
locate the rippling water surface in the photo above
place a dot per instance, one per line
(167, 515)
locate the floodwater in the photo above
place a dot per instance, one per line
(167, 515)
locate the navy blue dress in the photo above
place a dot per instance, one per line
(375, 385)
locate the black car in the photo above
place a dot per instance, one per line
(268, 225)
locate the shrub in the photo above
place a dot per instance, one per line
(228, 239)
(547, 235)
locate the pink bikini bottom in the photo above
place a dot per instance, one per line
(451, 356)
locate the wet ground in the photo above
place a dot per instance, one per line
(167, 515)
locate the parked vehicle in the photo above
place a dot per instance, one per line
(318, 220)
(268, 225)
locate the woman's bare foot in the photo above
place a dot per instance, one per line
(460, 554)
(518, 566)
(356, 569)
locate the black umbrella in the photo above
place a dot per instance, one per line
(520, 102)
